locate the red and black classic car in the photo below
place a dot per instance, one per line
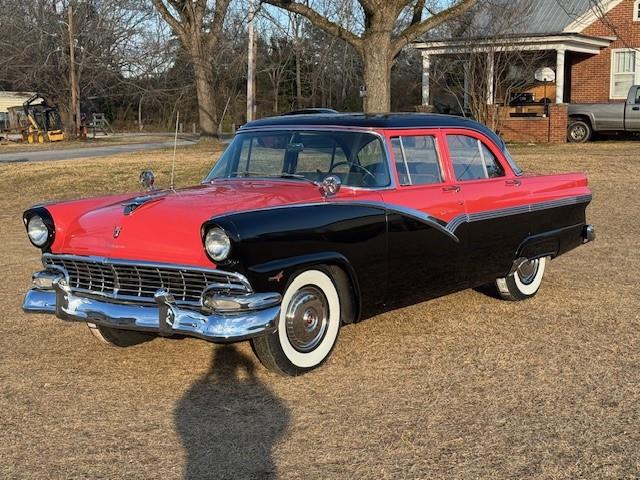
(307, 223)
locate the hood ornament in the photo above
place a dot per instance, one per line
(116, 231)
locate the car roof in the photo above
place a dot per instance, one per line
(377, 121)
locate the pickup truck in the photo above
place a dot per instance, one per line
(587, 118)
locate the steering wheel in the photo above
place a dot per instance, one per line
(358, 166)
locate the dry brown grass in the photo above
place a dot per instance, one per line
(465, 386)
(99, 141)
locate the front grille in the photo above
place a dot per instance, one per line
(139, 281)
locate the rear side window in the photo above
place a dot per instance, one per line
(471, 159)
(417, 160)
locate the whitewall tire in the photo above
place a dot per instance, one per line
(308, 326)
(524, 282)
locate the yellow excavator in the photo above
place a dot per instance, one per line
(44, 123)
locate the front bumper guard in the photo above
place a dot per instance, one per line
(258, 313)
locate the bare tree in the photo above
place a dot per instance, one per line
(382, 37)
(199, 31)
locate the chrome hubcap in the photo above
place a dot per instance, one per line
(307, 318)
(578, 132)
(527, 270)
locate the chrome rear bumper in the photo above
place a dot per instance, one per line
(256, 314)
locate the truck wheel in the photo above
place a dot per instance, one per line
(115, 337)
(579, 132)
(308, 325)
(524, 282)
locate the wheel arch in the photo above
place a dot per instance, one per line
(586, 117)
(341, 270)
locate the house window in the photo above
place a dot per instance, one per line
(624, 72)
(636, 11)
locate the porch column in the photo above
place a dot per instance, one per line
(426, 66)
(560, 76)
(489, 80)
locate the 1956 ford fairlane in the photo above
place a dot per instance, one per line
(306, 223)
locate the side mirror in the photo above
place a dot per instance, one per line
(330, 186)
(147, 179)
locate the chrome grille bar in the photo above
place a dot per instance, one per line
(138, 281)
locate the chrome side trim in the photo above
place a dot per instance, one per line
(434, 222)
(520, 209)
(447, 228)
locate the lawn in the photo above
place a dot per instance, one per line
(465, 386)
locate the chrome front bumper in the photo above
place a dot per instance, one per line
(255, 314)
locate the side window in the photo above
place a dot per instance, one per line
(471, 159)
(494, 169)
(417, 160)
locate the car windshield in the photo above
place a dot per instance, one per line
(357, 158)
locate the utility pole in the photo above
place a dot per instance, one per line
(251, 65)
(73, 80)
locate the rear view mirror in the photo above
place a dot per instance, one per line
(147, 179)
(295, 147)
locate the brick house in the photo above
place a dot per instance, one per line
(593, 47)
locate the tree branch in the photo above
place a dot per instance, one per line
(175, 25)
(415, 30)
(215, 27)
(417, 12)
(318, 20)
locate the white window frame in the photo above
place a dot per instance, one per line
(636, 78)
(636, 11)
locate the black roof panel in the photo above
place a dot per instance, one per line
(381, 120)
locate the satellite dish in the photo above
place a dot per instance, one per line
(545, 74)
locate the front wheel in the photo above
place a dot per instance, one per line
(308, 325)
(524, 282)
(115, 337)
(579, 131)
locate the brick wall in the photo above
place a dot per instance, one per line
(591, 74)
(552, 129)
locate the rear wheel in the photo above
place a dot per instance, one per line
(115, 337)
(308, 325)
(579, 131)
(525, 280)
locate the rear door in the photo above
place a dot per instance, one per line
(424, 262)
(496, 202)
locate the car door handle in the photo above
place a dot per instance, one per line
(635, 108)
(452, 188)
(513, 183)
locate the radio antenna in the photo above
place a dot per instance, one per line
(175, 145)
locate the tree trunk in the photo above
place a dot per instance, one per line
(206, 105)
(376, 58)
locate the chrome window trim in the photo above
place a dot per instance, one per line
(371, 131)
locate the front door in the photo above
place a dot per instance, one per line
(424, 261)
(632, 113)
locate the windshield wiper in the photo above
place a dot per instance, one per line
(276, 175)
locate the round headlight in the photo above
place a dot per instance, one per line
(37, 231)
(217, 244)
